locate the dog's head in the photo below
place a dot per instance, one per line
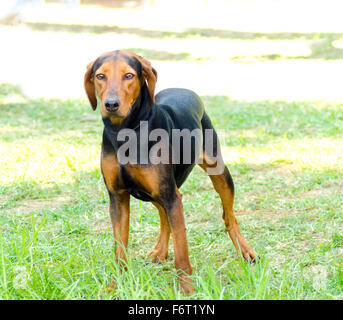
(117, 77)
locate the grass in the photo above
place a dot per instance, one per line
(55, 236)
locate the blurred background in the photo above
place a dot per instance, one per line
(245, 49)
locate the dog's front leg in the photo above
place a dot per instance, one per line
(120, 216)
(160, 252)
(176, 219)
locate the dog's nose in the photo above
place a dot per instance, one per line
(112, 104)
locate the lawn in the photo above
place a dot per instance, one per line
(56, 240)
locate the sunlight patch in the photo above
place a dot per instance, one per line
(306, 153)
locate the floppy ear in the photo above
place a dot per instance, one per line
(89, 86)
(150, 75)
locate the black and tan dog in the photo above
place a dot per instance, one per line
(125, 84)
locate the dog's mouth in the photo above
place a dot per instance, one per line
(114, 113)
(115, 117)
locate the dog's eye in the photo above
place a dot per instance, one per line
(128, 76)
(100, 76)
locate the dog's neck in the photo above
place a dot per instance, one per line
(141, 110)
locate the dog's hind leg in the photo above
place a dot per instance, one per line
(160, 252)
(223, 184)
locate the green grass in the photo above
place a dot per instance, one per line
(55, 234)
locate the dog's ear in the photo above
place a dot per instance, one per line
(150, 75)
(89, 86)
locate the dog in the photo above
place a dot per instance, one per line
(125, 84)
